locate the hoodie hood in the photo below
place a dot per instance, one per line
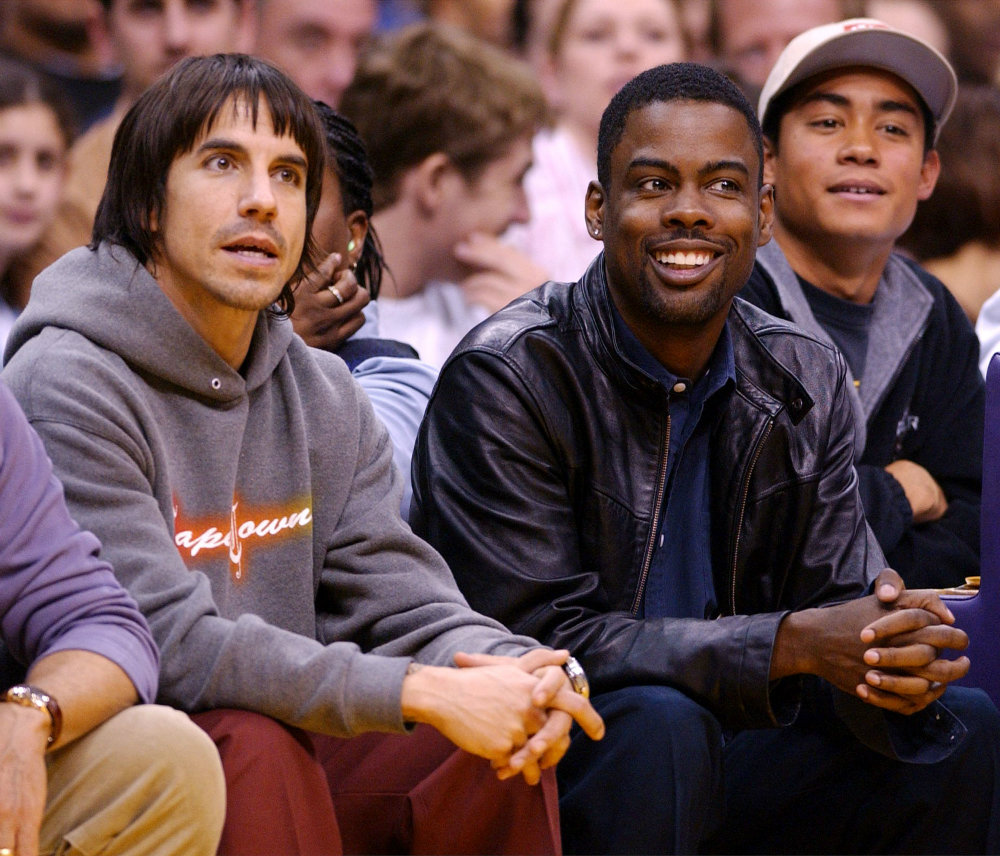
(112, 300)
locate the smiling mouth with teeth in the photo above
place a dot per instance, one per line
(860, 191)
(684, 260)
(246, 248)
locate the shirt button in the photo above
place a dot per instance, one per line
(797, 404)
(216, 383)
(680, 386)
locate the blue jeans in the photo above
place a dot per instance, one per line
(664, 780)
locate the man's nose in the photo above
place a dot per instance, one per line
(687, 208)
(257, 198)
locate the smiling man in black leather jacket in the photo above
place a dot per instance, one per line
(639, 468)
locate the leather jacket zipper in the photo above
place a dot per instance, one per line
(661, 483)
(742, 514)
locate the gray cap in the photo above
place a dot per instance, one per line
(870, 43)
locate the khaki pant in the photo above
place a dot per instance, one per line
(146, 781)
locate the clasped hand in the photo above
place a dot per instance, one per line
(514, 711)
(898, 666)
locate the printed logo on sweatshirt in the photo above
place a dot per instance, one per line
(239, 533)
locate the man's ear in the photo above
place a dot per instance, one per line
(430, 182)
(594, 210)
(770, 155)
(766, 215)
(929, 172)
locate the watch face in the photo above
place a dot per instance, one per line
(27, 696)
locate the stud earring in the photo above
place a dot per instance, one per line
(351, 245)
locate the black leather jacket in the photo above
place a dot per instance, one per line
(539, 473)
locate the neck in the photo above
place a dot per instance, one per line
(227, 330)
(683, 350)
(411, 258)
(850, 270)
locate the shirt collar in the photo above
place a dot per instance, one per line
(721, 365)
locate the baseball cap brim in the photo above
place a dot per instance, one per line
(869, 43)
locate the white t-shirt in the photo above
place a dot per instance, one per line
(433, 321)
(556, 236)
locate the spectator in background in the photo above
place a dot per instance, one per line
(974, 32)
(148, 39)
(750, 34)
(316, 42)
(850, 114)
(956, 233)
(489, 20)
(447, 120)
(593, 49)
(919, 18)
(335, 307)
(35, 134)
(61, 40)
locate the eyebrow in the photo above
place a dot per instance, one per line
(887, 106)
(292, 159)
(707, 169)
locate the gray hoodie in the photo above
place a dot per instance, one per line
(254, 515)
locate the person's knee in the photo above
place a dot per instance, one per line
(249, 739)
(152, 781)
(166, 740)
(658, 742)
(977, 712)
(659, 733)
(658, 716)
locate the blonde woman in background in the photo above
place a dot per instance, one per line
(594, 48)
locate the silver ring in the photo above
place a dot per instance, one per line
(340, 302)
(577, 676)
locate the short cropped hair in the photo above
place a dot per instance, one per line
(346, 156)
(428, 88)
(678, 81)
(167, 121)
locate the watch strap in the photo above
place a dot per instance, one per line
(29, 696)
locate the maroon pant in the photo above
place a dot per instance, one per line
(292, 792)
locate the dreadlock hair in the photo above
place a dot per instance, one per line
(346, 154)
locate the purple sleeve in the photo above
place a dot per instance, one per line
(56, 593)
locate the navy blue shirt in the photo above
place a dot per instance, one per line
(846, 322)
(680, 583)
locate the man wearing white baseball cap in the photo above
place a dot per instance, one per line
(850, 114)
